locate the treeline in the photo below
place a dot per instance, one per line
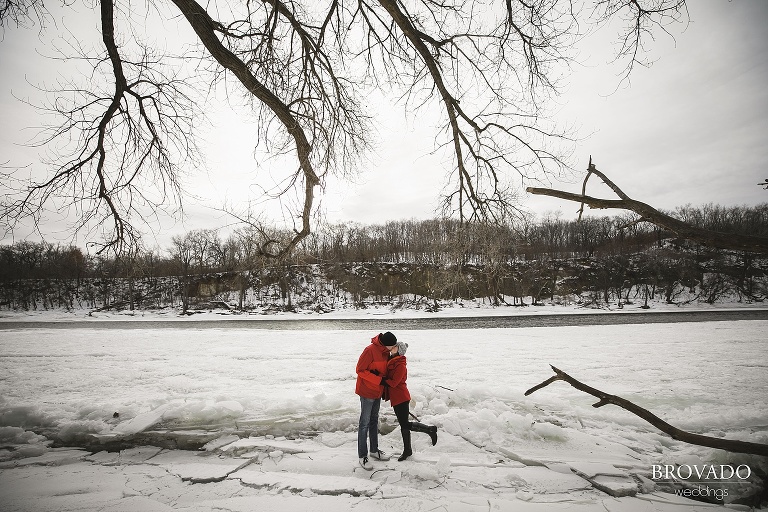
(599, 260)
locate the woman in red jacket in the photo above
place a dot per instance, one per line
(397, 391)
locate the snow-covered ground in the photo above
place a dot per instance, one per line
(278, 412)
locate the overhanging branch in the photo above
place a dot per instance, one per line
(206, 30)
(650, 214)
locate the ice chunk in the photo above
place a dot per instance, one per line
(141, 422)
(318, 484)
(220, 442)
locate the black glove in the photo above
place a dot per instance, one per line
(384, 382)
(375, 372)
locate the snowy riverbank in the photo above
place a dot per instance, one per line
(467, 308)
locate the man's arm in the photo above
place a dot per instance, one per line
(363, 368)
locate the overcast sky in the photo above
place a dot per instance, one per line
(689, 129)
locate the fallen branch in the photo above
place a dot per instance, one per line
(674, 432)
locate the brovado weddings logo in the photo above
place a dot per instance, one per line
(705, 480)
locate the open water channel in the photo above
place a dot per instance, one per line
(486, 322)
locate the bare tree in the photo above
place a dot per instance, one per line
(183, 252)
(129, 133)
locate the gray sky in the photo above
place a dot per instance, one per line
(689, 129)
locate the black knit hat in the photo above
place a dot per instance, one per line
(387, 339)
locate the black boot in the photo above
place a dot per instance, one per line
(406, 433)
(429, 429)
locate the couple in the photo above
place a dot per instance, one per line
(381, 371)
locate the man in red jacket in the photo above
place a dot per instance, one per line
(371, 369)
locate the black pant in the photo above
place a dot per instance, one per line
(401, 411)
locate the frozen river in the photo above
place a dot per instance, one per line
(180, 384)
(705, 376)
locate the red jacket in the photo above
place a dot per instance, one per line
(373, 359)
(397, 373)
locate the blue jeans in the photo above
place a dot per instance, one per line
(368, 426)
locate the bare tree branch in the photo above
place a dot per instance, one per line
(22, 12)
(206, 29)
(647, 213)
(493, 125)
(642, 20)
(674, 432)
(124, 139)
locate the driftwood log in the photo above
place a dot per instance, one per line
(674, 432)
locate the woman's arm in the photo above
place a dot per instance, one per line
(396, 375)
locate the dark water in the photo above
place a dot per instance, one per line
(379, 324)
